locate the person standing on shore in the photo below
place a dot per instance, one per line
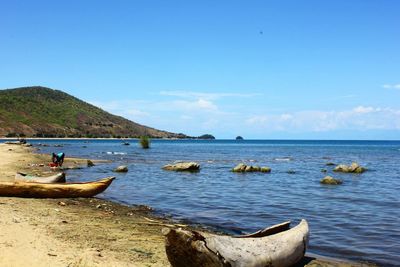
(58, 158)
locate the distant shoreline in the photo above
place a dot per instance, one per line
(217, 139)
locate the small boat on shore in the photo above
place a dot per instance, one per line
(274, 246)
(56, 178)
(54, 190)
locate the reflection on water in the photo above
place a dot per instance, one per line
(357, 220)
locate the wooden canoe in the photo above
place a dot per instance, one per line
(57, 190)
(56, 178)
(274, 246)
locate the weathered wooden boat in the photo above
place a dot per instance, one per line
(274, 246)
(56, 178)
(55, 190)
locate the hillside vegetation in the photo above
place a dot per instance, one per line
(44, 112)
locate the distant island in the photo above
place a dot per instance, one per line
(43, 112)
(206, 136)
(239, 138)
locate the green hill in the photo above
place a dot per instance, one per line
(44, 112)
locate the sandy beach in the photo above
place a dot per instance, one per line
(81, 232)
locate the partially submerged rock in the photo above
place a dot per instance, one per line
(241, 167)
(121, 168)
(353, 168)
(182, 166)
(265, 169)
(90, 163)
(330, 180)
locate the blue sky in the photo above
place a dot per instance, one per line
(260, 69)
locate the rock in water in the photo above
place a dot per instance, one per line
(239, 168)
(90, 163)
(121, 168)
(330, 180)
(182, 166)
(353, 168)
(248, 168)
(265, 169)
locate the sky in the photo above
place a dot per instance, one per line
(260, 69)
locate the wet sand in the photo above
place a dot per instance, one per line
(81, 232)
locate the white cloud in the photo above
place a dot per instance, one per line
(362, 109)
(197, 115)
(358, 118)
(257, 119)
(196, 105)
(391, 86)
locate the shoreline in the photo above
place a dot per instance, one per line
(172, 139)
(84, 232)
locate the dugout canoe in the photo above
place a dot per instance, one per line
(274, 246)
(56, 178)
(56, 190)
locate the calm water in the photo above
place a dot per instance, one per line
(358, 220)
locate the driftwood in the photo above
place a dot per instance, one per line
(274, 246)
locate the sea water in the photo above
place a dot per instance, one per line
(358, 220)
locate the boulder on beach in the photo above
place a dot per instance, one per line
(121, 168)
(353, 168)
(182, 166)
(331, 181)
(241, 167)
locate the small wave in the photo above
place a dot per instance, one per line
(283, 159)
(115, 153)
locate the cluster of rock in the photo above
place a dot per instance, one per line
(330, 180)
(241, 167)
(182, 166)
(21, 142)
(353, 168)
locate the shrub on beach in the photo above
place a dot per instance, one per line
(144, 142)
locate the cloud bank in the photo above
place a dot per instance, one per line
(359, 118)
(195, 113)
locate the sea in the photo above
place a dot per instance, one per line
(358, 220)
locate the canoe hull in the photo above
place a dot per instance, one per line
(202, 249)
(55, 190)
